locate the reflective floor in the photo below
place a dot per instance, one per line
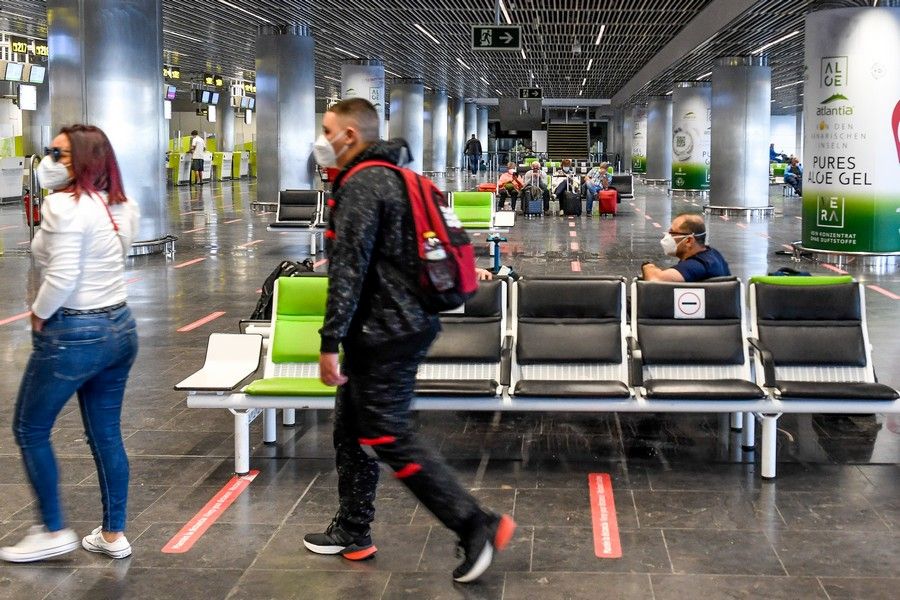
(695, 519)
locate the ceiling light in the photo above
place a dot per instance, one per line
(245, 11)
(523, 54)
(590, 64)
(791, 105)
(391, 73)
(499, 92)
(580, 92)
(181, 35)
(599, 35)
(484, 80)
(426, 32)
(505, 14)
(781, 39)
(705, 75)
(669, 93)
(331, 78)
(347, 52)
(781, 87)
(319, 87)
(460, 61)
(583, 82)
(11, 14)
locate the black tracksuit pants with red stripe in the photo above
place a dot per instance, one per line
(372, 410)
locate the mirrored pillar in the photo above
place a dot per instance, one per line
(286, 105)
(472, 121)
(457, 118)
(106, 70)
(659, 139)
(407, 117)
(483, 128)
(226, 116)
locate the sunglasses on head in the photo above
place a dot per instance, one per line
(55, 153)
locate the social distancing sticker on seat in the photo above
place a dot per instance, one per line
(603, 517)
(690, 303)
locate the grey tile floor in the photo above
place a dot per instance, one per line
(695, 519)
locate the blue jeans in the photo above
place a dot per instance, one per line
(592, 190)
(474, 159)
(88, 355)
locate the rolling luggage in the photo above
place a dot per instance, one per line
(608, 201)
(570, 203)
(532, 201)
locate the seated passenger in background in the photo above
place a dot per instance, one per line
(564, 178)
(508, 186)
(686, 240)
(536, 178)
(597, 179)
(776, 157)
(793, 175)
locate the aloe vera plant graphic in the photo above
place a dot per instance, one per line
(834, 98)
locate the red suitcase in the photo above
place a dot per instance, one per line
(608, 201)
(487, 187)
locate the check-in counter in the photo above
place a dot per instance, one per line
(252, 163)
(12, 170)
(240, 165)
(182, 173)
(222, 165)
(207, 165)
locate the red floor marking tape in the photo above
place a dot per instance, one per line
(657, 225)
(571, 224)
(603, 517)
(15, 318)
(723, 217)
(5, 227)
(764, 235)
(576, 266)
(194, 529)
(574, 246)
(799, 218)
(22, 243)
(319, 263)
(573, 234)
(188, 263)
(132, 280)
(195, 230)
(231, 221)
(741, 225)
(874, 288)
(648, 217)
(203, 321)
(248, 244)
(831, 267)
(636, 209)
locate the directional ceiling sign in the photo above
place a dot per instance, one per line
(496, 37)
(530, 93)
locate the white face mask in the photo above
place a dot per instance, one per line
(53, 175)
(511, 171)
(324, 152)
(669, 245)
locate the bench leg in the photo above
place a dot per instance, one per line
(289, 417)
(269, 418)
(769, 446)
(241, 442)
(737, 421)
(748, 437)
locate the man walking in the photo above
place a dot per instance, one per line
(374, 313)
(473, 151)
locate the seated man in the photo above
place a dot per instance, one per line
(597, 179)
(793, 175)
(686, 240)
(508, 186)
(775, 156)
(536, 178)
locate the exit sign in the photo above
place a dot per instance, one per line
(496, 37)
(530, 93)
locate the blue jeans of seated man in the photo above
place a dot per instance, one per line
(91, 356)
(474, 159)
(592, 190)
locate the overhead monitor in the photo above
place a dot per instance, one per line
(205, 96)
(214, 99)
(245, 101)
(211, 113)
(252, 104)
(34, 73)
(27, 97)
(170, 92)
(248, 117)
(167, 109)
(13, 71)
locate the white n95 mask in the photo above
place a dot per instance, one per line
(669, 245)
(324, 152)
(53, 175)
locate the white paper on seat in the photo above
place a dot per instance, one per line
(230, 358)
(505, 218)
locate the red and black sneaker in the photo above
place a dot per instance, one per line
(337, 541)
(478, 549)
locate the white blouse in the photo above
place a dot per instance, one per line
(82, 256)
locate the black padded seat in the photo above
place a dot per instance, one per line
(820, 390)
(572, 389)
(456, 387)
(290, 225)
(713, 389)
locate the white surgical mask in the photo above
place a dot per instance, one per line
(53, 175)
(324, 152)
(669, 245)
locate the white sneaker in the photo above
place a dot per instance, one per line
(95, 543)
(39, 544)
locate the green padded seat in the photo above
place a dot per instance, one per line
(778, 170)
(473, 209)
(302, 296)
(296, 340)
(801, 280)
(289, 386)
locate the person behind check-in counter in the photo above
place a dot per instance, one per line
(686, 240)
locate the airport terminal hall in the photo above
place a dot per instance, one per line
(463, 299)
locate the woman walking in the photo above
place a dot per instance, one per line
(84, 338)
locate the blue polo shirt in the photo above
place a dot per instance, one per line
(703, 265)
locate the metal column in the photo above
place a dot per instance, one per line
(286, 104)
(364, 78)
(659, 139)
(226, 116)
(483, 128)
(739, 159)
(439, 126)
(457, 134)
(106, 70)
(471, 121)
(407, 117)
(627, 137)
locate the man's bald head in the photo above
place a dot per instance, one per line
(691, 223)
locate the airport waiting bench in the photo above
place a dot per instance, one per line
(564, 344)
(302, 212)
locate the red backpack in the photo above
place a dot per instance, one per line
(446, 279)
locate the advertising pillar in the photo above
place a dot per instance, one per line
(407, 117)
(851, 149)
(286, 105)
(639, 140)
(439, 126)
(457, 133)
(106, 55)
(659, 138)
(483, 127)
(740, 120)
(627, 136)
(691, 141)
(364, 78)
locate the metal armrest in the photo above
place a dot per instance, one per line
(506, 360)
(636, 363)
(768, 362)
